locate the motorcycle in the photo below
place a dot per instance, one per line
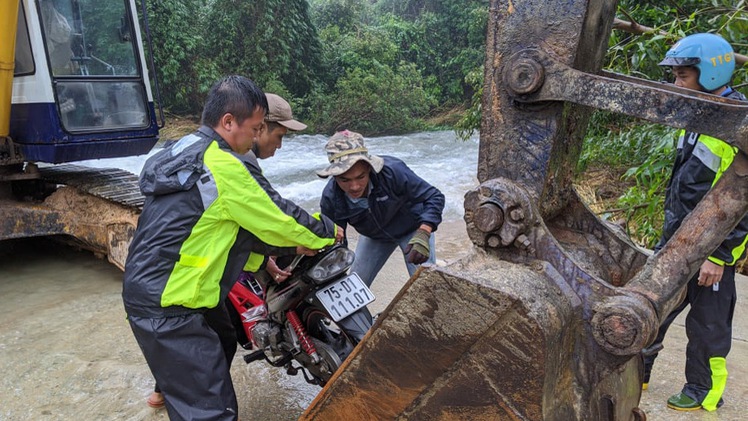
(315, 317)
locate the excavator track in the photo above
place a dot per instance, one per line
(95, 209)
(111, 184)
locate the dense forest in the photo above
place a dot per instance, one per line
(384, 65)
(389, 66)
(396, 66)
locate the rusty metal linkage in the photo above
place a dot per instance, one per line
(657, 102)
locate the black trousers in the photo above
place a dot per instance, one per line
(709, 332)
(219, 320)
(190, 362)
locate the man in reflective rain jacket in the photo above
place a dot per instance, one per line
(702, 62)
(209, 213)
(278, 122)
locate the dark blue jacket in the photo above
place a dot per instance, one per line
(399, 202)
(700, 161)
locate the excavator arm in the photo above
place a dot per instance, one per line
(545, 319)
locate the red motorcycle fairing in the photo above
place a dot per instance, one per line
(286, 323)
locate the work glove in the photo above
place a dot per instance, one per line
(417, 250)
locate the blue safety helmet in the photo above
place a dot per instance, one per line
(709, 53)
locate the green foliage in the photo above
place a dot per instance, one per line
(379, 101)
(183, 71)
(318, 50)
(445, 39)
(471, 119)
(369, 88)
(267, 40)
(642, 204)
(366, 49)
(615, 140)
(344, 14)
(196, 42)
(427, 54)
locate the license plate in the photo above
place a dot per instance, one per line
(344, 297)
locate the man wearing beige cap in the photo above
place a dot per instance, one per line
(278, 121)
(384, 200)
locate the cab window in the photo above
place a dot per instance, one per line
(88, 38)
(94, 59)
(24, 58)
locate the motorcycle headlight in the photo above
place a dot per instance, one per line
(335, 263)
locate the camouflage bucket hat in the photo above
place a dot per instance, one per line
(344, 149)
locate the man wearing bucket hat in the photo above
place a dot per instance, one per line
(384, 200)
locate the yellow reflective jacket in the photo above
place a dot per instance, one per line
(207, 208)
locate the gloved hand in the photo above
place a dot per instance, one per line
(417, 250)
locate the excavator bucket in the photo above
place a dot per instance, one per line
(479, 340)
(546, 317)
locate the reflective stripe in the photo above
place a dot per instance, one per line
(737, 252)
(254, 262)
(720, 155)
(193, 261)
(714, 154)
(709, 159)
(207, 187)
(681, 136)
(718, 261)
(718, 367)
(184, 143)
(682, 139)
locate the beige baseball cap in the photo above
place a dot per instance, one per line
(344, 149)
(279, 111)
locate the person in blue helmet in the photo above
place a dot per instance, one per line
(702, 62)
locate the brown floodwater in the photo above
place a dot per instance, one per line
(67, 352)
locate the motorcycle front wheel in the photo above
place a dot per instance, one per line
(320, 326)
(330, 363)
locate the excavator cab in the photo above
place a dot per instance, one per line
(80, 87)
(74, 86)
